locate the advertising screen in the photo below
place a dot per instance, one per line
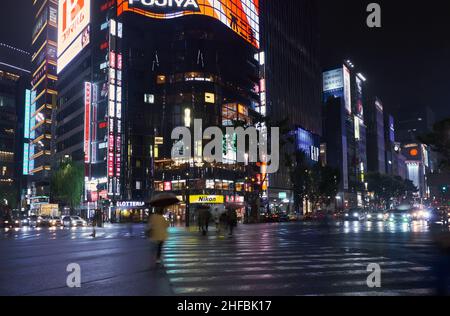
(73, 20)
(333, 80)
(359, 98)
(241, 16)
(347, 90)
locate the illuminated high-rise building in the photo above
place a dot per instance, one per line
(292, 84)
(14, 85)
(346, 131)
(130, 72)
(43, 98)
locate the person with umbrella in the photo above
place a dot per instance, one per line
(157, 222)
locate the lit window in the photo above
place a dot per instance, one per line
(149, 98)
(210, 98)
(138, 185)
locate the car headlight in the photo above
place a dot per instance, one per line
(380, 216)
(17, 222)
(346, 215)
(74, 222)
(369, 216)
(355, 215)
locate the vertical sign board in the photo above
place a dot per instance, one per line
(359, 98)
(26, 133)
(26, 127)
(347, 90)
(26, 154)
(87, 121)
(74, 17)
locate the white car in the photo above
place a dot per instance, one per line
(73, 221)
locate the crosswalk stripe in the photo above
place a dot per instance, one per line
(197, 266)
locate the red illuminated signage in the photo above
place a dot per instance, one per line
(87, 121)
(112, 59)
(167, 186)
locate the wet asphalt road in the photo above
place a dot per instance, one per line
(267, 259)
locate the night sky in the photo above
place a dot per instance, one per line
(407, 61)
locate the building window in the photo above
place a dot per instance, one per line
(210, 97)
(149, 98)
(138, 163)
(138, 185)
(6, 101)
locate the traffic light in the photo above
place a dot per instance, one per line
(444, 189)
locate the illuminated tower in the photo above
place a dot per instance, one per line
(43, 97)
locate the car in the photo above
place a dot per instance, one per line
(399, 216)
(284, 218)
(24, 220)
(55, 221)
(438, 217)
(376, 216)
(354, 215)
(36, 221)
(11, 222)
(45, 220)
(420, 214)
(73, 221)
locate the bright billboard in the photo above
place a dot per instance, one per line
(74, 17)
(241, 16)
(347, 90)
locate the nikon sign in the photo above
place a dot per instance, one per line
(206, 199)
(165, 6)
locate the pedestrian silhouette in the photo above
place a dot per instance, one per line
(158, 231)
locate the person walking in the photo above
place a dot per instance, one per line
(204, 216)
(94, 224)
(172, 219)
(223, 222)
(232, 220)
(158, 231)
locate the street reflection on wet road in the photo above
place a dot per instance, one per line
(266, 259)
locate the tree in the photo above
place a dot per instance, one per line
(439, 141)
(300, 177)
(67, 184)
(329, 183)
(8, 196)
(387, 187)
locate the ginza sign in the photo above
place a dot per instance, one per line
(166, 6)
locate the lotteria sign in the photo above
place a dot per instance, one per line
(240, 16)
(166, 6)
(206, 199)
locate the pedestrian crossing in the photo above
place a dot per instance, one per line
(268, 260)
